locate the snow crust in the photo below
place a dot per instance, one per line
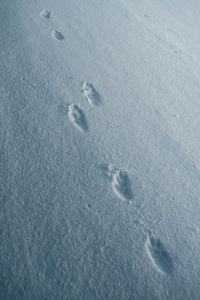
(100, 102)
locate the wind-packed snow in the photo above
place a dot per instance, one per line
(100, 149)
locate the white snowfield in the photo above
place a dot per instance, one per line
(100, 150)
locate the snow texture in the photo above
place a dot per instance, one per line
(99, 103)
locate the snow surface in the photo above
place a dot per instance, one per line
(66, 164)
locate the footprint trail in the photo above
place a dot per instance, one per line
(158, 255)
(91, 94)
(77, 117)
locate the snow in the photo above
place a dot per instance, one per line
(100, 140)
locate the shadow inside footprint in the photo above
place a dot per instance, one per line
(77, 117)
(159, 255)
(57, 35)
(45, 14)
(91, 93)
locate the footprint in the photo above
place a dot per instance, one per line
(91, 94)
(45, 14)
(57, 35)
(158, 255)
(77, 117)
(121, 185)
(120, 182)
